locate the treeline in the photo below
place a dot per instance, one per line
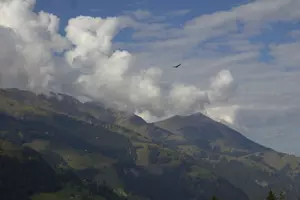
(271, 196)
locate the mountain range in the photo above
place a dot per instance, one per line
(55, 147)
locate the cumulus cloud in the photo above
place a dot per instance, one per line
(82, 63)
(224, 114)
(222, 86)
(218, 51)
(32, 41)
(265, 106)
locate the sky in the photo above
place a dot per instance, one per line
(240, 62)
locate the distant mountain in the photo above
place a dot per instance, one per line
(248, 165)
(74, 136)
(181, 158)
(202, 131)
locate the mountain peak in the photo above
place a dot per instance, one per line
(195, 116)
(197, 127)
(96, 141)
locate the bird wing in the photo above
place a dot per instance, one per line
(176, 66)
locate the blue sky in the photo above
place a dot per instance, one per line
(72, 8)
(115, 7)
(240, 56)
(67, 9)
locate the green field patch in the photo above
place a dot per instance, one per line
(142, 152)
(8, 149)
(189, 149)
(174, 137)
(197, 171)
(66, 193)
(38, 145)
(18, 109)
(83, 160)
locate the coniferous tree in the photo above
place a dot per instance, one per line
(214, 198)
(281, 196)
(271, 196)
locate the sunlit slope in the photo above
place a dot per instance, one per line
(98, 149)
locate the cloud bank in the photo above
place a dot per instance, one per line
(34, 56)
(240, 65)
(258, 42)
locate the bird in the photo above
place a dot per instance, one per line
(176, 66)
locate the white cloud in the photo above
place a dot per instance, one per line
(266, 101)
(140, 14)
(214, 49)
(35, 42)
(83, 63)
(223, 114)
(222, 87)
(280, 52)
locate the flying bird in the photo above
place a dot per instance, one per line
(176, 66)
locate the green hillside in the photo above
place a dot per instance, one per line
(247, 165)
(25, 175)
(180, 158)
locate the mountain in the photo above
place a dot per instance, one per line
(246, 164)
(209, 135)
(25, 175)
(70, 135)
(183, 157)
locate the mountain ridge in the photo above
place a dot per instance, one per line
(121, 149)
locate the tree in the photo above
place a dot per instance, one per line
(214, 198)
(281, 196)
(271, 196)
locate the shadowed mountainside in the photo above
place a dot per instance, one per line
(183, 157)
(25, 175)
